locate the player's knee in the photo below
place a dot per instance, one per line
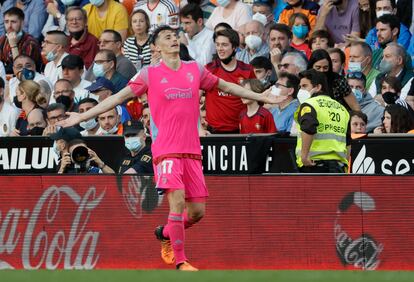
(197, 215)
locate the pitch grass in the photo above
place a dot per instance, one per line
(210, 276)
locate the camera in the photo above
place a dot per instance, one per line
(80, 157)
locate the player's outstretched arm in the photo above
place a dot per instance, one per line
(235, 89)
(104, 106)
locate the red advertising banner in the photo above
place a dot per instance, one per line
(261, 222)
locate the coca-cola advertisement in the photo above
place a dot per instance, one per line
(266, 222)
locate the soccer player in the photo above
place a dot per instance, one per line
(173, 96)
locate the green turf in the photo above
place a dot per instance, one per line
(210, 276)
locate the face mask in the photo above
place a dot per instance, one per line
(300, 31)
(133, 144)
(385, 66)
(303, 95)
(26, 74)
(65, 100)
(110, 131)
(265, 80)
(77, 34)
(67, 2)
(253, 42)
(97, 3)
(382, 12)
(223, 3)
(98, 70)
(89, 124)
(50, 56)
(17, 103)
(36, 131)
(358, 94)
(227, 60)
(260, 18)
(275, 91)
(355, 67)
(390, 97)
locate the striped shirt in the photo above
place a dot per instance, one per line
(164, 13)
(135, 52)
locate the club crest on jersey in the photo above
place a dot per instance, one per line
(190, 77)
(258, 126)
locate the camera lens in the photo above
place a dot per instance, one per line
(80, 154)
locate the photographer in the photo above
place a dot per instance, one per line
(81, 159)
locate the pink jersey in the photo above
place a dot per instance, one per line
(173, 98)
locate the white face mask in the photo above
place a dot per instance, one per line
(275, 91)
(89, 124)
(260, 18)
(382, 12)
(110, 131)
(303, 95)
(253, 42)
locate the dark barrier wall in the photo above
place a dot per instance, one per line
(266, 222)
(229, 155)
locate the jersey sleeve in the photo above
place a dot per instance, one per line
(207, 80)
(307, 119)
(139, 83)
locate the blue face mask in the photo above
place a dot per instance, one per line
(223, 3)
(50, 56)
(300, 31)
(67, 2)
(358, 94)
(133, 144)
(97, 2)
(98, 70)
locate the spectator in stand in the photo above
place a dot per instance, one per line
(137, 47)
(283, 113)
(307, 8)
(34, 16)
(54, 50)
(396, 62)
(390, 94)
(293, 63)
(262, 68)
(320, 39)
(64, 94)
(17, 42)
(367, 16)
(223, 109)
(160, 12)
(139, 157)
(36, 122)
(55, 112)
(146, 118)
(340, 18)
(24, 68)
(203, 121)
(233, 12)
(338, 87)
(105, 65)
(109, 123)
(8, 113)
(255, 40)
(27, 98)
(106, 14)
(397, 119)
(388, 28)
(104, 88)
(358, 122)
(262, 11)
(56, 10)
(81, 42)
(91, 126)
(72, 66)
(111, 40)
(338, 60)
(197, 38)
(388, 7)
(360, 59)
(300, 27)
(368, 105)
(255, 118)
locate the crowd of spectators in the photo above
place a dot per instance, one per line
(69, 55)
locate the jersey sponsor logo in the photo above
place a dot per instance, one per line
(223, 94)
(178, 93)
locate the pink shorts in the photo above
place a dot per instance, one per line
(182, 173)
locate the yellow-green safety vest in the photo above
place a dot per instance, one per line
(329, 142)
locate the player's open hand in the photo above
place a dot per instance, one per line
(73, 119)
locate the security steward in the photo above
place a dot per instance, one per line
(139, 158)
(323, 129)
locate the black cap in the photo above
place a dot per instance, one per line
(72, 62)
(132, 127)
(67, 134)
(101, 82)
